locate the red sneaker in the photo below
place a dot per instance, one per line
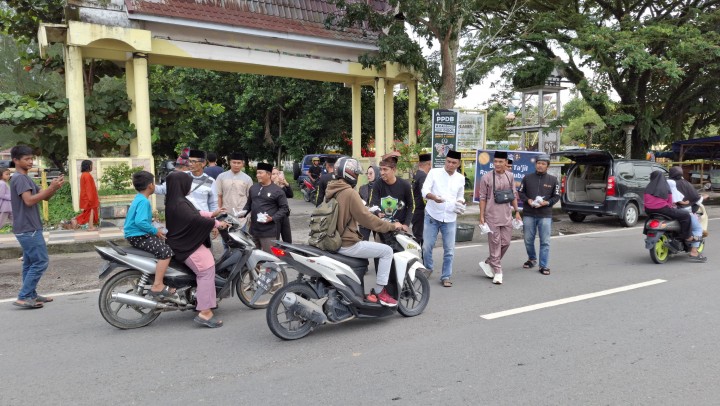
(386, 299)
(371, 297)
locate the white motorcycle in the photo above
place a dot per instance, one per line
(330, 287)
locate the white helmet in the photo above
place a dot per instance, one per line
(348, 169)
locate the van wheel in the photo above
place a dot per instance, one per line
(577, 217)
(296, 170)
(630, 215)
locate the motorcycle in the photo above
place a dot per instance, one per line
(330, 287)
(309, 190)
(124, 298)
(662, 238)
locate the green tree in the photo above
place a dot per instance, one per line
(661, 59)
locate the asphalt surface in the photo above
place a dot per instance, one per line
(653, 345)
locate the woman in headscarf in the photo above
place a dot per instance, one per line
(372, 173)
(658, 199)
(189, 237)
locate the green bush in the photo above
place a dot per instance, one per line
(60, 206)
(117, 179)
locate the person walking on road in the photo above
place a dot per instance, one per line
(267, 207)
(443, 190)
(418, 217)
(233, 186)
(539, 192)
(27, 226)
(278, 178)
(496, 191)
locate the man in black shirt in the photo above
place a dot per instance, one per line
(539, 191)
(418, 217)
(391, 194)
(324, 179)
(267, 206)
(315, 170)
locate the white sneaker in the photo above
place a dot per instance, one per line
(497, 279)
(487, 269)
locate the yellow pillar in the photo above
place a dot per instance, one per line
(77, 138)
(379, 117)
(141, 107)
(389, 117)
(130, 87)
(356, 120)
(412, 110)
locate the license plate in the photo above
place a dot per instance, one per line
(265, 280)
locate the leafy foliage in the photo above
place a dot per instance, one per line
(118, 177)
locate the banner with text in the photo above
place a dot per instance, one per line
(523, 163)
(444, 133)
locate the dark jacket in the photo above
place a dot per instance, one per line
(322, 186)
(268, 199)
(418, 181)
(534, 185)
(352, 211)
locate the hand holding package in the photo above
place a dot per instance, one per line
(484, 228)
(537, 202)
(460, 207)
(517, 224)
(262, 218)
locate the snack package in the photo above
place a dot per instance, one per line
(484, 228)
(517, 224)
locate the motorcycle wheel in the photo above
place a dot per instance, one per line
(121, 315)
(306, 195)
(245, 287)
(660, 253)
(408, 305)
(281, 322)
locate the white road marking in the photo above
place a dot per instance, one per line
(54, 295)
(558, 302)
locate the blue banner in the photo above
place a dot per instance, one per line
(523, 163)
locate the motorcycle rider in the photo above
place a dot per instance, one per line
(352, 212)
(315, 170)
(324, 179)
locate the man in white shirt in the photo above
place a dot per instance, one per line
(444, 191)
(232, 186)
(202, 193)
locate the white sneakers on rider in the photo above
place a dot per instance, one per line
(487, 269)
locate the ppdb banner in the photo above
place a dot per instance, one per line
(523, 163)
(444, 133)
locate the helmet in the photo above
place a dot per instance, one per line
(543, 157)
(315, 159)
(348, 169)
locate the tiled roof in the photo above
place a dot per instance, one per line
(298, 17)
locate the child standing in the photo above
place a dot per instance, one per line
(141, 234)
(27, 227)
(5, 207)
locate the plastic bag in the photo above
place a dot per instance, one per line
(262, 217)
(517, 224)
(460, 207)
(484, 228)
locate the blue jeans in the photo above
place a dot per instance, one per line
(696, 228)
(431, 227)
(35, 262)
(542, 226)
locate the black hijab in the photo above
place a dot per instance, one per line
(658, 186)
(676, 173)
(187, 229)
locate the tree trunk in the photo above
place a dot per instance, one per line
(449, 47)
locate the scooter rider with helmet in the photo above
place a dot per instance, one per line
(351, 212)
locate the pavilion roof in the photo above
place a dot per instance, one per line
(298, 17)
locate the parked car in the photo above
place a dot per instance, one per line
(596, 183)
(300, 168)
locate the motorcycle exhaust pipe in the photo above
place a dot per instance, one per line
(304, 308)
(133, 300)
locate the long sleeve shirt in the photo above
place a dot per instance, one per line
(544, 185)
(268, 199)
(203, 194)
(138, 221)
(496, 214)
(451, 188)
(88, 192)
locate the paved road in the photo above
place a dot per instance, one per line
(654, 345)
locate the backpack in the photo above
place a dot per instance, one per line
(323, 227)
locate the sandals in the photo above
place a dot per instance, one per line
(29, 304)
(43, 299)
(529, 264)
(446, 283)
(213, 322)
(163, 294)
(698, 258)
(545, 271)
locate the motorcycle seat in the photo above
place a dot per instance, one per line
(349, 261)
(180, 266)
(659, 216)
